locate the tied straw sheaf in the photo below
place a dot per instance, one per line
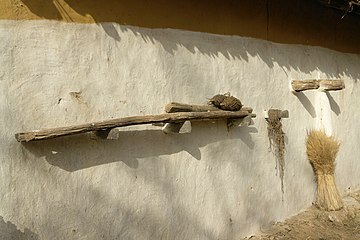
(322, 150)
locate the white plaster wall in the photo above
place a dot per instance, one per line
(209, 184)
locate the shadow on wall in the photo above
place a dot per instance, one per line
(277, 21)
(179, 15)
(8, 231)
(305, 101)
(78, 152)
(333, 104)
(288, 57)
(126, 221)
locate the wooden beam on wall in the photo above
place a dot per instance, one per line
(322, 84)
(332, 85)
(303, 85)
(128, 121)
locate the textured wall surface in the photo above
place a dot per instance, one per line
(283, 21)
(209, 184)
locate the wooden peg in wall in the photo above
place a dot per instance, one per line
(100, 134)
(322, 84)
(181, 127)
(276, 112)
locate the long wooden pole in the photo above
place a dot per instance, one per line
(127, 121)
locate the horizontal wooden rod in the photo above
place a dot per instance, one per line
(327, 85)
(182, 107)
(127, 121)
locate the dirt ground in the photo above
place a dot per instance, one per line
(313, 224)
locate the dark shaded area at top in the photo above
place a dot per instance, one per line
(284, 21)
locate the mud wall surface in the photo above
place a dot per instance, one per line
(285, 21)
(212, 183)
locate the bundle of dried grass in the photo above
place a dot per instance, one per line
(226, 102)
(218, 99)
(277, 142)
(321, 151)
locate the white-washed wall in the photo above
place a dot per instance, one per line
(209, 184)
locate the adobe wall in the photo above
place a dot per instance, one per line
(209, 184)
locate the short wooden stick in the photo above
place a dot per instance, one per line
(182, 107)
(323, 84)
(276, 113)
(303, 85)
(332, 85)
(172, 127)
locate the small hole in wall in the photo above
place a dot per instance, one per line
(60, 99)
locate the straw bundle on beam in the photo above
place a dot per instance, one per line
(321, 152)
(226, 102)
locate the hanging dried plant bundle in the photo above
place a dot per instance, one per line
(277, 142)
(321, 151)
(226, 102)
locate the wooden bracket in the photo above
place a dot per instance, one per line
(324, 85)
(100, 134)
(242, 122)
(183, 127)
